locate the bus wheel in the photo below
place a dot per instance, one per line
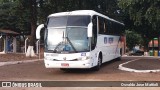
(119, 58)
(97, 68)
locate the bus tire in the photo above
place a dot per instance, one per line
(119, 59)
(99, 63)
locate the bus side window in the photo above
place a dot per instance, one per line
(105, 27)
(101, 25)
(114, 28)
(94, 37)
(117, 29)
(109, 27)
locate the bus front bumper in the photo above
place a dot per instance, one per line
(68, 64)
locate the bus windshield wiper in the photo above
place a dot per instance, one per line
(71, 43)
(57, 47)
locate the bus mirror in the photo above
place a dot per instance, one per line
(89, 33)
(38, 31)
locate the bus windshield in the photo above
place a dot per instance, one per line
(69, 37)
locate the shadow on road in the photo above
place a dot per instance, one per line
(113, 64)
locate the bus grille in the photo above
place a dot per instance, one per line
(65, 60)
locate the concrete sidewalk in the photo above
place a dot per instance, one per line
(154, 57)
(18, 62)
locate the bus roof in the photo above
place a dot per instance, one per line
(83, 12)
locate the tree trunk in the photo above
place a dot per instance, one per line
(33, 20)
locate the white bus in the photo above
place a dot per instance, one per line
(80, 39)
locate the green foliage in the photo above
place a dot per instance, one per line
(54, 6)
(6, 15)
(19, 15)
(142, 10)
(133, 38)
(13, 16)
(143, 17)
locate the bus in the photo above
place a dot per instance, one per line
(80, 39)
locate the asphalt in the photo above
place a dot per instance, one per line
(141, 64)
(144, 64)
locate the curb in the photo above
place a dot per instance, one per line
(121, 67)
(143, 56)
(18, 62)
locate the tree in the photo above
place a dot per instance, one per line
(144, 16)
(32, 5)
(24, 16)
(20, 16)
(144, 13)
(14, 16)
(6, 15)
(103, 6)
(21, 11)
(133, 39)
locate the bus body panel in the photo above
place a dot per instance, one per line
(75, 60)
(67, 57)
(68, 64)
(108, 45)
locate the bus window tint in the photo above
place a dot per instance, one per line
(94, 37)
(109, 27)
(105, 26)
(61, 21)
(78, 20)
(101, 25)
(57, 21)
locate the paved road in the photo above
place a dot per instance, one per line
(108, 72)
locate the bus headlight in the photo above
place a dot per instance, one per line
(84, 58)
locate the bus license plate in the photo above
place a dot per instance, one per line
(65, 64)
